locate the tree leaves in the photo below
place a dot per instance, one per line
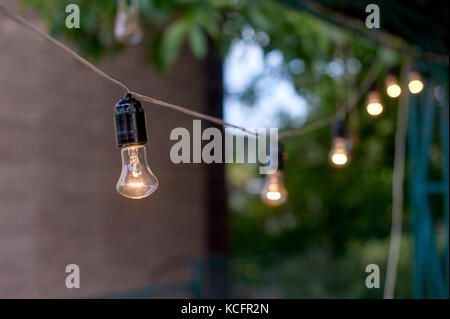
(198, 42)
(176, 34)
(172, 40)
(193, 26)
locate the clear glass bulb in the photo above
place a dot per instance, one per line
(392, 88)
(274, 192)
(127, 29)
(136, 180)
(415, 84)
(339, 155)
(374, 106)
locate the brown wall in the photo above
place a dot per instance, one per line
(59, 167)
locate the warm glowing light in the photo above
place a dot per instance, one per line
(392, 88)
(273, 195)
(415, 84)
(339, 154)
(374, 109)
(374, 106)
(137, 180)
(274, 192)
(138, 184)
(415, 87)
(339, 159)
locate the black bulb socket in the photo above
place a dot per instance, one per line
(129, 119)
(339, 129)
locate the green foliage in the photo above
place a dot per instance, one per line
(317, 273)
(172, 40)
(197, 41)
(336, 208)
(168, 25)
(327, 206)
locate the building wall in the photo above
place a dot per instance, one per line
(59, 166)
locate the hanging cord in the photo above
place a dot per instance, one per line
(368, 80)
(177, 108)
(31, 27)
(397, 186)
(191, 112)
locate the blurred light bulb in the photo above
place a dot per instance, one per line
(374, 106)
(339, 155)
(127, 29)
(136, 180)
(415, 84)
(274, 192)
(392, 88)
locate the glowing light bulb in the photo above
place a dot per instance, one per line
(274, 192)
(339, 155)
(392, 88)
(136, 180)
(374, 106)
(127, 28)
(415, 84)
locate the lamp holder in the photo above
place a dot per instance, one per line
(129, 119)
(339, 129)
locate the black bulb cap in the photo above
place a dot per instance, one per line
(129, 119)
(339, 129)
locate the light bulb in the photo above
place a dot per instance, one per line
(339, 156)
(392, 88)
(136, 180)
(374, 106)
(127, 29)
(274, 192)
(415, 84)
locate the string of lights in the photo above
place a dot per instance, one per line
(138, 181)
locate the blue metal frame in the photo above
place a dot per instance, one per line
(428, 116)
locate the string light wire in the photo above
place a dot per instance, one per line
(26, 24)
(367, 81)
(15, 17)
